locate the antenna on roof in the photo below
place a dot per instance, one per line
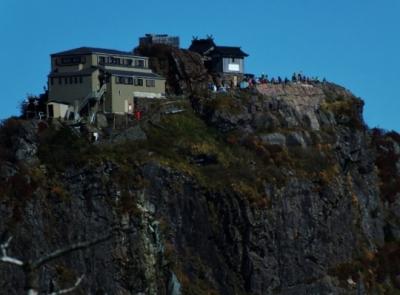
(194, 38)
(210, 37)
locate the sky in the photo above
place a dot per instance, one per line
(354, 43)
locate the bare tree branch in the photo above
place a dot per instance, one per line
(65, 291)
(69, 249)
(7, 259)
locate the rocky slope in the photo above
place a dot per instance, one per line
(275, 190)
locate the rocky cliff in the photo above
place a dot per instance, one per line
(275, 190)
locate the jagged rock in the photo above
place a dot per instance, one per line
(174, 287)
(130, 134)
(263, 220)
(7, 170)
(295, 139)
(273, 139)
(101, 121)
(183, 69)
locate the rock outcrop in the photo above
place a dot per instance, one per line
(183, 69)
(300, 198)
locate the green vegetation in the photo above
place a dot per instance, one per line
(59, 148)
(374, 268)
(347, 111)
(386, 161)
(224, 102)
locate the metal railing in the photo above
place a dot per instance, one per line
(92, 95)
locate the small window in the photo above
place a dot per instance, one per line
(76, 80)
(138, 82)
(52, 81)
(120, 80)
(150, 83)
(66, 80)
(115, 61)
(102, 60)
(66, 60)
(59, 81)
(128, 62)
(70, 80)
(139, 63)
(130, 80)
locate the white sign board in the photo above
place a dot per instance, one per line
(233, 67)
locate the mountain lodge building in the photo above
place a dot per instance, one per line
(89, 79)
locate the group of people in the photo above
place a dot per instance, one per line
(251, 81)
(296, 78)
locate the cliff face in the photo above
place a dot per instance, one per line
(279, 190)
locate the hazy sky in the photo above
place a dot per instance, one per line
(355, 43)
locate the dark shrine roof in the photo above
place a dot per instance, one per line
(230, 51)
(201, 45)
(207, 46)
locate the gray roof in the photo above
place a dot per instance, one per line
(230, 51)
(203, 47)
(84, 72)
(135, 74)
(90, 50)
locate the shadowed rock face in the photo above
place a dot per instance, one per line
(183, 69)
(295, 201)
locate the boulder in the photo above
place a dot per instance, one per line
(294, 139)
(273, 139)
(130, 134)
(101, 121)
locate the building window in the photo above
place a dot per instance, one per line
(102, 60)
(59, 81)
(70, 80)
(120, 80)
(150, 83)
(130, 80)
(66, 80)
(115, 61)
(52, 81)
(76, 80)
(71, 60)
(128, 62)
(81, 79)
(139, 63)
(138, 82)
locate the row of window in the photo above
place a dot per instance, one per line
(67, 80)
(70, 60)
(109, 60)
(134, 81)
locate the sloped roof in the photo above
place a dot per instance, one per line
(84, 72)
(90, 50)
(135, 74)
(201, 45)
(230, 51)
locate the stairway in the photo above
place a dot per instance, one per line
(95, 95)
